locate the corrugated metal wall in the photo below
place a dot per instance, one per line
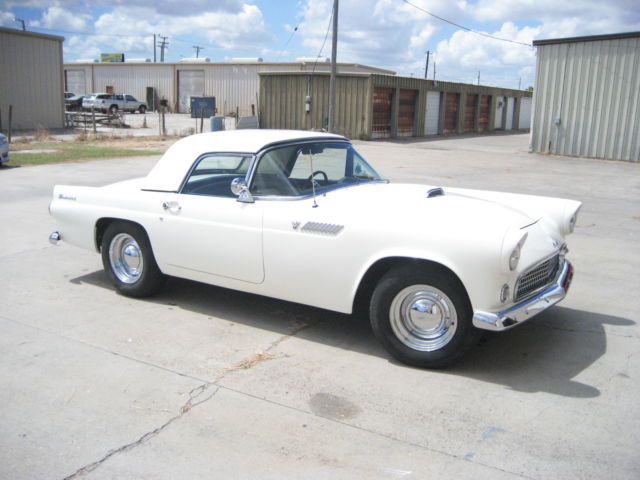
(282, 102)
(235, 85)
(31, 79)
(587, 99)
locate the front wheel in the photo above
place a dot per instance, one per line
(142, 109)
(128, 260)
(422, 317)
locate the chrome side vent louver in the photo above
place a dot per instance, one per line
(322, 228)
(435, 192)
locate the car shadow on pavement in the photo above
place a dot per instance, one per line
(543, 355)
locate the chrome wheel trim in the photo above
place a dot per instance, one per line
(125, 258)
(423, 318)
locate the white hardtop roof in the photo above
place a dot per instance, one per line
(168, 173)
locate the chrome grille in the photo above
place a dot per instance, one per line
(539, 276)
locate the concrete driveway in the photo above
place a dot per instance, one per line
(202, 382)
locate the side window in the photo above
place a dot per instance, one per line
(272, 174)
(118, 97)
(130, 98)
(212, 175)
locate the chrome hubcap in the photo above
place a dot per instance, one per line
(126, 259)
(423, 318)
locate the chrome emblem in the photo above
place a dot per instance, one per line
(322, 228)
(295, 225)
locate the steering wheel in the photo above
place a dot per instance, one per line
(326, 177)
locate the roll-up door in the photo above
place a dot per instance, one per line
(432, 115)
(382, 101)
(483, 114)
(470, 113)
(75, 82)
(407, 113)
(510, 108)
(190, 84)
(451, 112)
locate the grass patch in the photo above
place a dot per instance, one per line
(71, 152)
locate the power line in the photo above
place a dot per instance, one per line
(323, 42)
(466, 28)
(287, 43)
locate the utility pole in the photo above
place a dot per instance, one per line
(434, 70)
(426, 67)
(519, 83)
(154, 48)
(332, 79)
(22, 22)
(198, 50)
(163, 45)
(478, 77)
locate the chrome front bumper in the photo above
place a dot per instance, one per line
(529, 308)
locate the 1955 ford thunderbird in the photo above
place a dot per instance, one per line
(301, 216)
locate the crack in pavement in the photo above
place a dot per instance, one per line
(194, 393)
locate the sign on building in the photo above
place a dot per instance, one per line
(112, 57)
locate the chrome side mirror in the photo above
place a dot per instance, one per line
(239, 187)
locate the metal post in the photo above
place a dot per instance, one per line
(332, 80)
(10, 118)
(154, 48)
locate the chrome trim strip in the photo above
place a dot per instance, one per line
(525, 310)
(435, 192)
(322, 228)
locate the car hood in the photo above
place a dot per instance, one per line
(402, 203)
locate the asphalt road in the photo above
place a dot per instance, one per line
(202, 382)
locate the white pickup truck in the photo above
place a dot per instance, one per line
(108, 102)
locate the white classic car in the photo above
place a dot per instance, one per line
(301, 216)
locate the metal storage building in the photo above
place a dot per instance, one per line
(587, 97)
(234, 84)
(383, 106)
(31, 80)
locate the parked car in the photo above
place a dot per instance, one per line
(301, 216)
(4, 149)
(69, 95)
(107, 102)
(73, 103)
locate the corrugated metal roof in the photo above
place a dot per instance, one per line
(590, 38)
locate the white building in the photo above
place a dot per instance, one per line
(235, 85)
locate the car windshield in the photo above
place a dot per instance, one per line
(301, 170)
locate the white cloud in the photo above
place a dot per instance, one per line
(59, 18)
(7, 19)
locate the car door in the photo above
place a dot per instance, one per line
(205, 229)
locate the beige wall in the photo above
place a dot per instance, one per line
(31, 80)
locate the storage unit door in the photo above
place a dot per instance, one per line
(510, 105)
(525, 113)
(483, 115)
(382, 101)
(190, 83)
(450, 112)
(407, 113)
(75, 81)
(470, 113)
(432, 114)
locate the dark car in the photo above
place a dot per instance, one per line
(73, 103)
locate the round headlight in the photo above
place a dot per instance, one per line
(572, 222)
(514, 258)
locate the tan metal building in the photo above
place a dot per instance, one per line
(31, 80)
(587, 97)
(234, 84)
(382, 106)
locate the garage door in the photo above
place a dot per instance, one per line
(470, 113)
(510, 108)
(483, 115)
(75, 82)
(381, 126)
(451, 112)
(500, 110)
(407, 113)
(432, 115)
(190, 83)
(525, 113)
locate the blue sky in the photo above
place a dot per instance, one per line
(391, 34)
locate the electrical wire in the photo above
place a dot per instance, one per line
(287, 43)
(466, 28)
(323, 43)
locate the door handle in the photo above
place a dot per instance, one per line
(173, 207)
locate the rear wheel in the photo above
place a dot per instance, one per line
(422, 317)
(113, 109)
(128, 260)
